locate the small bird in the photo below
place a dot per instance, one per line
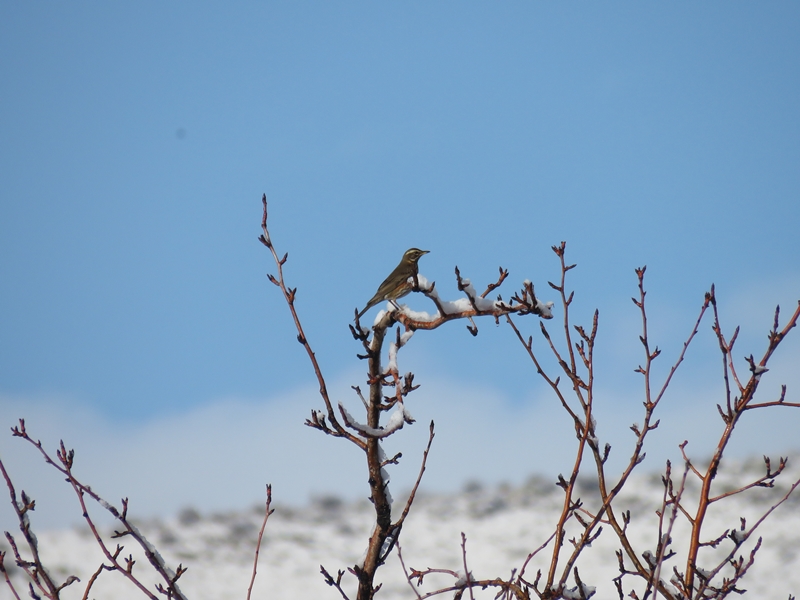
(397, 284)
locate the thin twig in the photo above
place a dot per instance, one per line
(267, 512)
(35, 570)
(6, 577)
(405, 571)
(467, 574)
(289, 296)
(412, 495)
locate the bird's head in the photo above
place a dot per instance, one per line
(413, 255)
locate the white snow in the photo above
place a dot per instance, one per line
(738, 536)
(456, 306)
(419, 315)
(545, 308)
(391, 365)
(425, 285)
(397, 419)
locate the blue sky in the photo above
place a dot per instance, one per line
(137, 141)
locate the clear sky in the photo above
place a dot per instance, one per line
(136, 141)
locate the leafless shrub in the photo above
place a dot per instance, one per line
(701, 565)
(41, 582)
(581, 521)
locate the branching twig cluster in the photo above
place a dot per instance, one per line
(384, 378)
(575, 360)
(41, 582)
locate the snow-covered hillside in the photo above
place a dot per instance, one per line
(502, 526)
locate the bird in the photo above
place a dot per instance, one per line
(397, 284)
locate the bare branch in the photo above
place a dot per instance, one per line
(267, 512)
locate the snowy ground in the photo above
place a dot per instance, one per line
(502, 526)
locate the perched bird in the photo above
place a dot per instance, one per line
(397, 284)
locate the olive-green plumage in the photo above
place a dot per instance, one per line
(397, 284)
